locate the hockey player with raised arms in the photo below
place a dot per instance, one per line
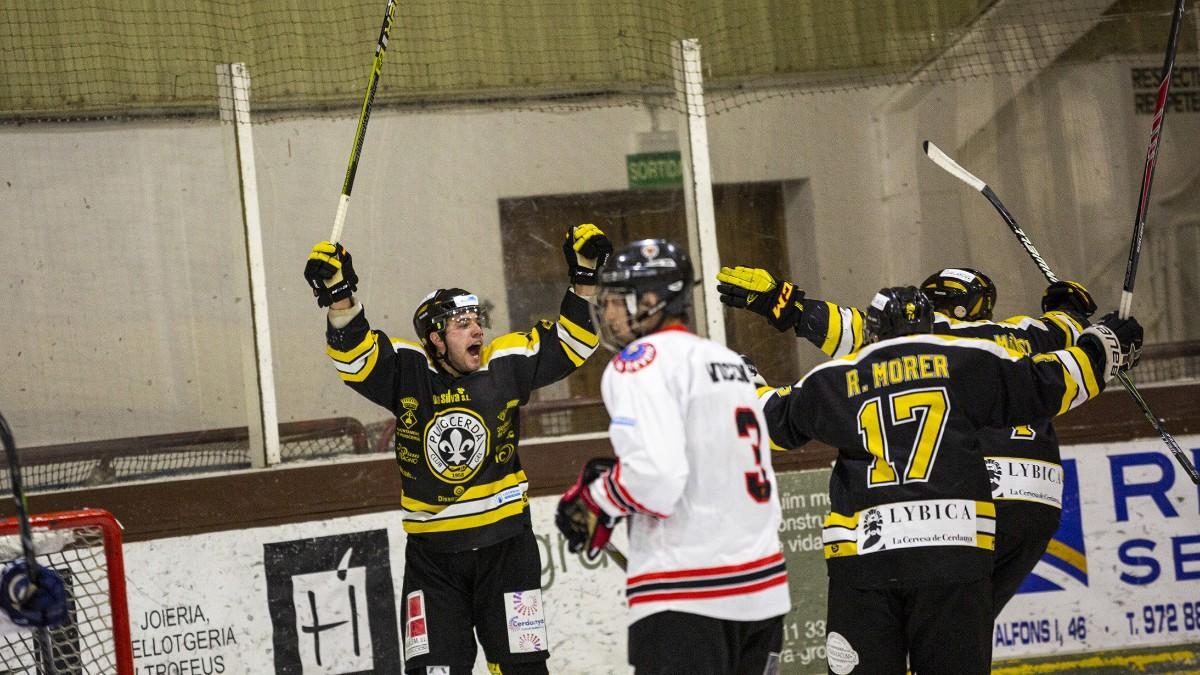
(909, 537)
(1024, 462)
(472, 564)
(706, 588)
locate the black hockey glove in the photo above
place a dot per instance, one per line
(1068, 296)
(330, 273)
(757, 290)
(42, 605)
(586, 249)
(1114, 343)
(580, 519)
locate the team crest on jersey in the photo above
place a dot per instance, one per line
(456, 442)
(634, 357)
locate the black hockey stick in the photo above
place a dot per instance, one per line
(1160, 111)
(364, 115)
(26, 533)
(941, 159)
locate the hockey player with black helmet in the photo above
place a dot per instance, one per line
(1025, 460)
(909, 537)
(693, 479)
(471, 556)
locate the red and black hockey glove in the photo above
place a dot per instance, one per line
(579, 518)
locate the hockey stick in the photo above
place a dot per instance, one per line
(941, 159)
(339, 219)
(617, 556)
(1160, 110)
(26, 533)
(952, 167)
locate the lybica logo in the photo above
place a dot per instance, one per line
(872, 526)
(1065, 562)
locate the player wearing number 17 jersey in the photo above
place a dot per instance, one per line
(706, 587)
(910, 535)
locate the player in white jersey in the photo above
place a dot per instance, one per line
(706, 587)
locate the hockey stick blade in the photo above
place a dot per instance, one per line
(953, 168)
(1172, 444)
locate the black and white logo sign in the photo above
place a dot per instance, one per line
(332, 606)
(456, 441)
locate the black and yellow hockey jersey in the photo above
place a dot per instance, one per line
(909, 494)
(456, 438)
(1025, 460)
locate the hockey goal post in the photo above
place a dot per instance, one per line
(84, 547)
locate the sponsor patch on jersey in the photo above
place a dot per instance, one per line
(841, 655)
(1026, 480)
(456, 442)
(416, 629)
(1065, 563)
(526, 621)
(634, 357)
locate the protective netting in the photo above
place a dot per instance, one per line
(85, 644)
(92, 464)
(101, 58)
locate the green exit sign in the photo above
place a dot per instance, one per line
(654, 170)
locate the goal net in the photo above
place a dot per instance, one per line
(84, 548)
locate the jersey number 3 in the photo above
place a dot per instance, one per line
(933, 405)
(757, 483)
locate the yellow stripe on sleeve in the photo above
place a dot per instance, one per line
(575, 358)
(1089, 375)
(1070, 389)
(579, 332)
(528, 342)
(368, 342)
(856, 325)
(833, 332)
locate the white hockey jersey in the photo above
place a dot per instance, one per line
(694, 477)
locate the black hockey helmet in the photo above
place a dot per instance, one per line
(896, 311)
(654, 266)
(438, 307)
(961, 292)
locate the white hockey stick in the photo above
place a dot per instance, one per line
(952, 167)
(943, 160)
